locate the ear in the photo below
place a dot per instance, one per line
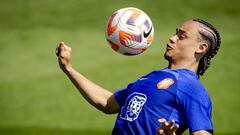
(202, 48)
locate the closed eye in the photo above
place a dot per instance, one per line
(180, 33)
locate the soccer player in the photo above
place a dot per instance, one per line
(167, 101)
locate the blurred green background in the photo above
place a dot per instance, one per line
(36, 98)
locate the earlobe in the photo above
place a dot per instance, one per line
(203, 47)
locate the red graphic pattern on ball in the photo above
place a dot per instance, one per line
(129, 31)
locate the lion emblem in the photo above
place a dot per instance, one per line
(133, 107)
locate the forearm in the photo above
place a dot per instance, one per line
(94, 94)
(201, 132)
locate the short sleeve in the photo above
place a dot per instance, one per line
(122, 94)
(198, 113)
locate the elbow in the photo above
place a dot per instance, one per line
(105, 109)
(111, 109)
(109, 106)
(108, 110)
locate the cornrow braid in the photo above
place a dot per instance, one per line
(209, 34)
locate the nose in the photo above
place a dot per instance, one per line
(173, 39)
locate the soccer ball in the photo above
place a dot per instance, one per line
(129, 31)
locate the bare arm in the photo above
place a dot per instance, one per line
(201, 132)
(99, 97)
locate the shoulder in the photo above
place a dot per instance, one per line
(188, 81)
(190, 88)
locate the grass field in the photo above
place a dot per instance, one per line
(36, 98)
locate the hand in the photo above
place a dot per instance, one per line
(63, 53)
(167, 128)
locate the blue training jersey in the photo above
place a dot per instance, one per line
(171, 94)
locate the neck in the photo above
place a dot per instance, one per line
(191, 65)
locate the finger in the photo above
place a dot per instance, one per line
(162, 120)
(174, 129)
(57, 51)
(61, 45)
(62, 48)
(171, 123)
(59, 48)
(164, 123)
(160, 132)
(67, 48)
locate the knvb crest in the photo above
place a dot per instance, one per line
(165, 83)
(133, 106)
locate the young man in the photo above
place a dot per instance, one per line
(173, 93)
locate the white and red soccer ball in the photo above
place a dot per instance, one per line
(129, 31)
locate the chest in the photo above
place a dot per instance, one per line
(158, 90)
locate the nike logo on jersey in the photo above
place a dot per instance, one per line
(148, 33)
(165, 83)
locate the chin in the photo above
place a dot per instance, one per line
(166, 56)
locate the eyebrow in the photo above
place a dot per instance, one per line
(181, 31)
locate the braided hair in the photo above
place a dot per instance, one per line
(211, 36)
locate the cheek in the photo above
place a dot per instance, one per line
(187, 47)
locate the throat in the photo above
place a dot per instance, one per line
(191, 65)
